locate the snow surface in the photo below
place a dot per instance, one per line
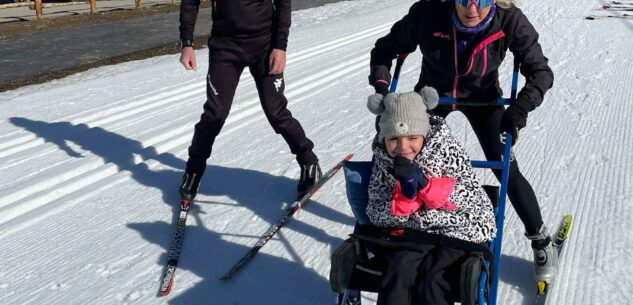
(89, 167)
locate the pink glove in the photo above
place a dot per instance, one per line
(436, 194)
(403, 206)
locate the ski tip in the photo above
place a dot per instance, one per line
(591, 17)
(348, 157)
(565, 228)
(542, 287)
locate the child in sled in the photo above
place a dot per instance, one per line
(422, 180)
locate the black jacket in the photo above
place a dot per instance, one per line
(428, 25)
(241, 19)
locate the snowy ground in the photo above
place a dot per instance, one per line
(89, 167)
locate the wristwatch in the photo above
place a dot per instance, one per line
(186, 43)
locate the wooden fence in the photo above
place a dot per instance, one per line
(38, 6)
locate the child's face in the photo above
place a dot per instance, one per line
(408, 146)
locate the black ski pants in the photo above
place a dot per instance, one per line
(429, 277)
(485, 124)
(227, 60)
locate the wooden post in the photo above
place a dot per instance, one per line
(38, 10)
(30, 4)
(93, 6)
(137, 4)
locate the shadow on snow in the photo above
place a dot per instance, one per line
(205, 252)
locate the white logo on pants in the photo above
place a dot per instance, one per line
(211, 85)
(278, 83)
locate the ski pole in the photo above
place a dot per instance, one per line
(396, 72)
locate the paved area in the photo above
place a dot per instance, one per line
(38, 56)
(24, 13)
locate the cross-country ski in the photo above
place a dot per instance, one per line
(560, 239)
(285, 218)
(597, 17)
(616, 8)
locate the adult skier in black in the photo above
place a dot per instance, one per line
(463, 43)
(251, 34)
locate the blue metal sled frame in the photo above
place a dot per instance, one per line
(504, 165)
(500, 211)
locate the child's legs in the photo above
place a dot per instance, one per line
(438, 282)
(398, 280)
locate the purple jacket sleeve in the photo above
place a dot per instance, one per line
(281, 24)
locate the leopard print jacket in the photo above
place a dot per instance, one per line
(441, 156)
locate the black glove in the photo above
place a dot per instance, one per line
(410, 176)
(381, 87)
(514, 118)
(379, 78)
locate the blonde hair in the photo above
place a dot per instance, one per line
(504, 3)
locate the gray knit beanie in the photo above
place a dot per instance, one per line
(404, 114)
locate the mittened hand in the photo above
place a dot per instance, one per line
(374, 101)
(379, 77)
(514, 118)
(409, 175)
(381, 87)
(437, 193)
(403, 206)
(403, 168)
(414, 190)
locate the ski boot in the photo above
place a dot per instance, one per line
(545, 256)
(310, 175)
(189, 188)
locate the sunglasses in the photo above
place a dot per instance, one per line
(481, 4)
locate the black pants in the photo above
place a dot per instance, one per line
(485, 124)
(421, 278)
(227, 60)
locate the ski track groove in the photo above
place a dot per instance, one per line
(115, 113)
(600, 208)
(124, 111)
(580, 232)
(14, 225)
(84, 116)
(119, 124)
(586, 191)
(94, 178)
(82, 176)
(598, 244)
(104, 117)
(100, 117)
